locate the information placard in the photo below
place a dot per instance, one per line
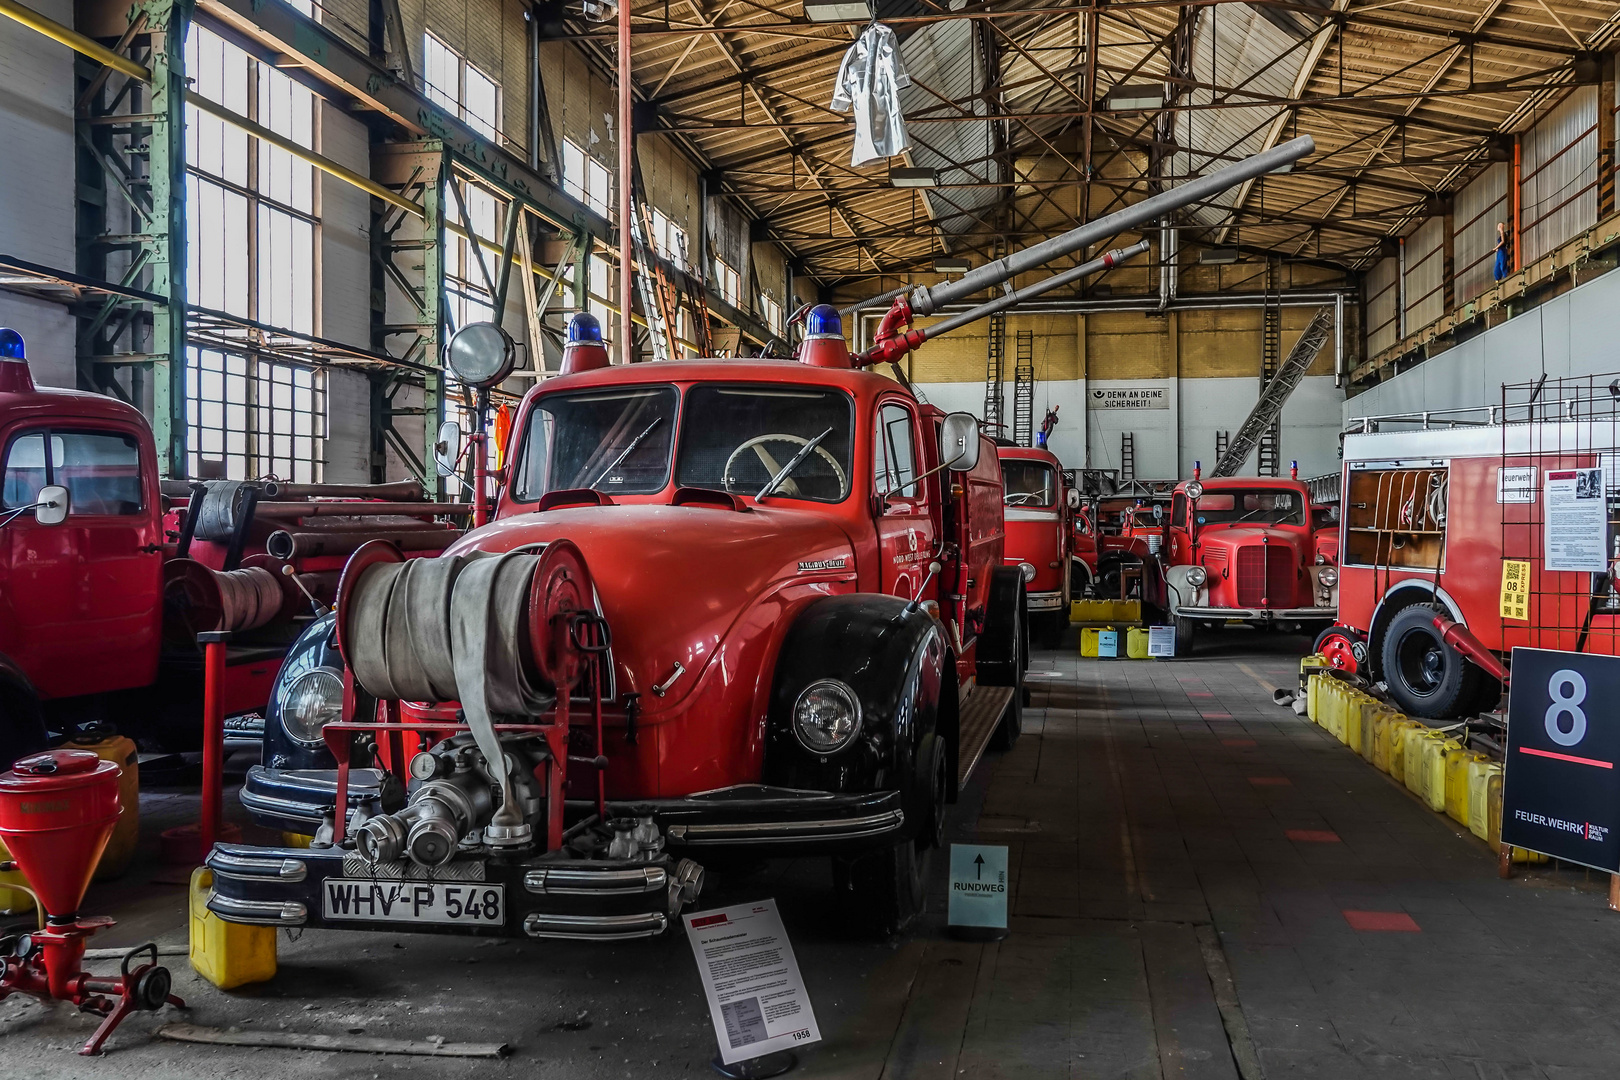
(1577, 529)
(756, 996)
(1560, 788)
(1515, 589)
(1161, 641)
(978, 885)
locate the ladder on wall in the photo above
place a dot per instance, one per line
(1024, 390)
(1223, 439)
(994, 365)
(652, 302)
(1127, 455)
(1267, 413)
(702, 328)
(1270, 445)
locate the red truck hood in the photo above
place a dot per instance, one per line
(673, 580)
(1235, 536)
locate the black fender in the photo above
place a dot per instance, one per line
(1003, 653)
(22, 720)
(891, 656)
(314, 648)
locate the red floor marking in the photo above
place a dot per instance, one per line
(1238, 743)
(1314, 836)
(1216, 715)
(1272, 781)
(1199, 693)
(1382, 920)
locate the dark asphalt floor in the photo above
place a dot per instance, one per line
(1164, 924)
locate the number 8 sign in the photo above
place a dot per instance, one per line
(1560, 791)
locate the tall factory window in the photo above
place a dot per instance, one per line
(587, 179)
(252, 224)
(470, 297)
(670, 239)
(461, 88)
(727, 281)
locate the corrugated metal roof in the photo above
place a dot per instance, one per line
(944, 61)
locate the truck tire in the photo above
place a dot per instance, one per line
(886, 890)
(1005, 737)
(1186, 636)
(1426, 677)
(22, 724)
(1004, 642)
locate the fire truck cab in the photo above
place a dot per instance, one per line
(1039, 506)
(1243, 549)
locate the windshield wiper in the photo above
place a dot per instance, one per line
(785, 471)
(627, 451)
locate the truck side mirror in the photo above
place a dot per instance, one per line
(1074, 498)
(959, 442)
(52, 506)
(448, 449)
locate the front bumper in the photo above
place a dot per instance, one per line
(1304, 614)
(546, 897)
(752, 818)
(1045, 601)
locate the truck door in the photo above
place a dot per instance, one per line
(905, 529)
(85, 596)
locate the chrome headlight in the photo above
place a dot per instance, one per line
(1328, 576)
(1196, 576)
(1195, 491)
(1028, 570)
(827, 716)
(314, 700)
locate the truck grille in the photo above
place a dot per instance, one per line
(1265, 574)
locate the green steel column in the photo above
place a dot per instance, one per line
(169, 21)
(582, 275)
(431, 319)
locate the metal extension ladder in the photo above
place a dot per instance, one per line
(1024, 390)
(1270, 446)
(1267, 412)
(994, 366)
(1127, 455)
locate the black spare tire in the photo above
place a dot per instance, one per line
(1426, 677)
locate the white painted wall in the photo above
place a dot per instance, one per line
(1197, 409)
(36, 182)
(1572, 334)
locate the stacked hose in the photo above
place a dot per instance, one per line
(248, 598)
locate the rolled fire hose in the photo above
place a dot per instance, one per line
(453, 629)
(248, 598)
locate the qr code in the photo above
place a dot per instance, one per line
(745, 1021)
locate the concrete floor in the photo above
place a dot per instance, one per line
(1183, 856)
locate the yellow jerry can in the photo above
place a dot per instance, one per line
(1088, 640)
(227, 954)
(1493, 810)
(1412, 757)
(1434, 770)
(1350, 731)
(1457, 763)
(1395, 731)
(120, 850)
(1136, 643)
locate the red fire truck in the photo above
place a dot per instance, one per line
(103, 588)
(805, 638)
(1039, 508)
(1244, 549)
(1460, 534)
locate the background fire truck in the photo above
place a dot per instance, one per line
(1039, 507)
(1449, 559)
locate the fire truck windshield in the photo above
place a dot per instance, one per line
(614, 440)
(1028, 483)
(736, 438)
(1263, 507)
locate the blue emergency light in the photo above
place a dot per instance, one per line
(11, 345)
(823, 321)
(584, 329)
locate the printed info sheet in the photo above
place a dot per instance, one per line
(756, 997)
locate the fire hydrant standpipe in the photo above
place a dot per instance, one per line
(57, 812)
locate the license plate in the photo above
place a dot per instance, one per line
(371, 900)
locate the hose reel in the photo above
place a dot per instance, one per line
(489, 631)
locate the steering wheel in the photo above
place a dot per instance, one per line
(756, 444)
(1021, 498)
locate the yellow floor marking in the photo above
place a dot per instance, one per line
(1255, 675)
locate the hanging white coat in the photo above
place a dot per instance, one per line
(869, 83)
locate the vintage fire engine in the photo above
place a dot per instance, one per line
(725, 609)
(1245, 549)
(1039, 508)
(103, 591)
(1451, 553)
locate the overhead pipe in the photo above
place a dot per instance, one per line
(926, 299)
(892, 344)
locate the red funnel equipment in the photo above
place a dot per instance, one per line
(57, 811)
